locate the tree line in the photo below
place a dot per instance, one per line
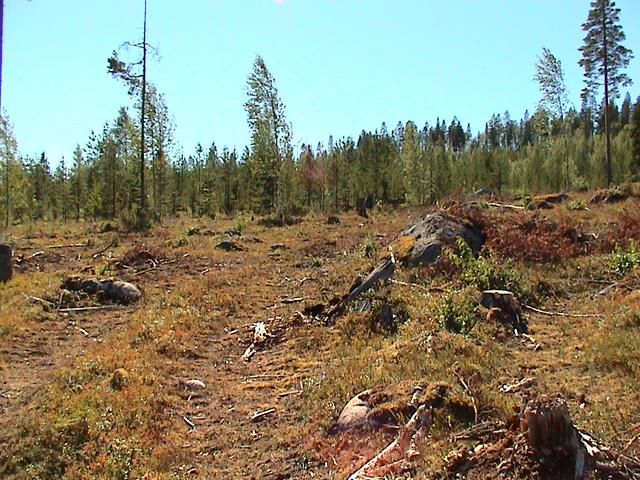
(133, 170)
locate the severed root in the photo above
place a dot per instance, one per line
(396, 456)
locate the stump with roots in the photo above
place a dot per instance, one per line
(552, 434)
(5, 263)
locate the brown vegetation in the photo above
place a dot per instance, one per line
(159, 388)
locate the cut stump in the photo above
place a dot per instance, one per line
(551, 433)
(5, 263)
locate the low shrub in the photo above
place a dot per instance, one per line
(369, 247)
(456, 314)
(489, 273)
(624, 259)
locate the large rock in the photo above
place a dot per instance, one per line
(422, 242)
(5, 263)
(355, 412)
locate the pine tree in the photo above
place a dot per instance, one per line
(137, 82)
(604, 59)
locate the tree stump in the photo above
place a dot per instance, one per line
(551, 434)
(5, 263)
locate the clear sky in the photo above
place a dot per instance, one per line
(341, 66)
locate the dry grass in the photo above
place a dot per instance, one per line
(63, 415)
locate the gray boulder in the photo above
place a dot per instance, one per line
(423, 241)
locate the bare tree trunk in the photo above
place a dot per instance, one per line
(607, 154)
(1, 45)
(142, 119)
(6, 222)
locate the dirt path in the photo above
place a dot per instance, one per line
(214, 425)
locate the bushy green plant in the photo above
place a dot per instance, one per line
(624, 259)
(489, 273)
(181, 242)
(135, 219)
(240, 226)
(193, 231)
(456, 315)
(577, 204)
(369, 247)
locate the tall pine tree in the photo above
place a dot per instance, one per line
(604, 59)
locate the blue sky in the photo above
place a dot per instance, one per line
(341, 66)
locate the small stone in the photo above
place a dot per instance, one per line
(195, 385)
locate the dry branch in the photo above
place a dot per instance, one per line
(188, 422)
(143, 271)
(524, 383)
(88, 309)
(102, 250)
(292, 392)
(293, 300)
(394, 458)
(560, 314)
(418, 286)
(257, 416)
(505, 205)
(40, 300)
(68, 245)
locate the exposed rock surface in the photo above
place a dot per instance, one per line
(422, 242)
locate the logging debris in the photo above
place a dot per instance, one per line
(109, 288)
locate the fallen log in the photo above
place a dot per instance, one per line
(382, 272)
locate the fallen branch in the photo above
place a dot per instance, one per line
(84, 332)
(467, 389)
(102, 250)
(144, 271)
(293, 300)
(257, 416)
(40, 300)
(68, 245)
(633, 440)
(188, 422)
(524, 383)
(292, 392)
(394, 458)
(263, 375)
(418, 286)
(88, 309)
(249, 352)
(560, 314)
(505, 205)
